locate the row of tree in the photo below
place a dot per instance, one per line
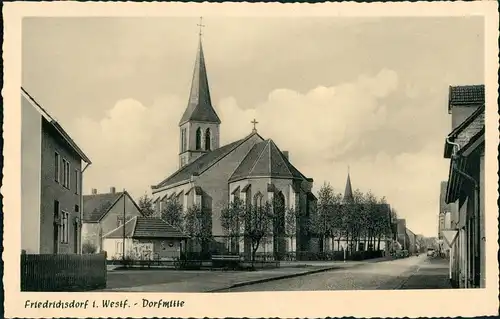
(363, 218)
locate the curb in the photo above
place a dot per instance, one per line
(259, 281)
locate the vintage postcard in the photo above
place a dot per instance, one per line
(250, 160)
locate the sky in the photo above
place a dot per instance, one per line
(336, 92)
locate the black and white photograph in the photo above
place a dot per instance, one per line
(224, 154)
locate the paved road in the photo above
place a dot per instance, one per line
(385, 275)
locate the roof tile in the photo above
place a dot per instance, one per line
(95, 206)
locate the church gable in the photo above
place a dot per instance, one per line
(266, 160)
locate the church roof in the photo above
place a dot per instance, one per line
(199, 106)
(201, 163)
(348, 196)
(265, 160)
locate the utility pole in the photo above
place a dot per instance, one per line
(124, 214)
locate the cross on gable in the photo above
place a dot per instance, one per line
(254, 122)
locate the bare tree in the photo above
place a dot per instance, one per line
(258, 225)
(198, 225)
(172, 213)
(231, 221)
(145, 204)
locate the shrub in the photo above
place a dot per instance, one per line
(89, 248)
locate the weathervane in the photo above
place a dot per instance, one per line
(201, 25)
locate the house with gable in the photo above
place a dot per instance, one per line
(465, 147)
(252, 169)
(104, 212)
(52, 166)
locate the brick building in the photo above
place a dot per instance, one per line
(464, 146)
(252, 169)
(51, 180)
(103, 212)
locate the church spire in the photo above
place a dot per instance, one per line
(348, 196)
(199, 106)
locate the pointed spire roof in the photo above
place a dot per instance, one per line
(348, 196)
(199, 106)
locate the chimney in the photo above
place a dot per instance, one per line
(112, 190)
(94, 191)
(285, 153)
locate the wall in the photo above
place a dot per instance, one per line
(161, 248)
(214, 181)
(481, 221)
(52, 190)
(31, 144)
(460, 113)
(110, 246)
(110, 221)
(132, 246)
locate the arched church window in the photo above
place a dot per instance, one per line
(207, 140)
(257, 199)
(198, 138)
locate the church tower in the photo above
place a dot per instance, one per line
(199, 125)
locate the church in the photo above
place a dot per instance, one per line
(252, 169)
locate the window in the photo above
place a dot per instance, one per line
(119, 247)
(257, 200)
(198, 139)
(119, 221)
(208, 141)
(64, 228)
(183, 140)
(77, 182)
(66, 173)
(57, 167)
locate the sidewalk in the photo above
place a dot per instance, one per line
(432, 274)
(213, 281)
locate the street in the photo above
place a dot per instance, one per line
(388, 275)
(420, 272)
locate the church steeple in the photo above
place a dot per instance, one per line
(199, 125)
(348, 196)
(199, 106)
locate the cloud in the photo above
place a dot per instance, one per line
(136, 145)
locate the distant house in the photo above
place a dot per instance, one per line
(144, 238)
(411, 239)
(51, 179)
(103, 212)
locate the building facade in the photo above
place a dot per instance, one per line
(252, 169)
(51, 183)
(464, 146)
